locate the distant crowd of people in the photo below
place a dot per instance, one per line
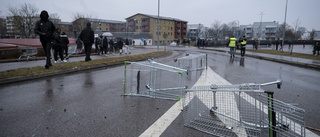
(53, 40)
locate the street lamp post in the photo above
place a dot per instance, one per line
(158, 25)
(238, 27)
(260, 33)
(284, 25)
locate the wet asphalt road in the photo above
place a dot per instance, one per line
(90, 103)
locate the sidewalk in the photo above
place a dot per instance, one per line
(315, 64)
(33, 63)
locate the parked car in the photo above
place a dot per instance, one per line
(173, 44)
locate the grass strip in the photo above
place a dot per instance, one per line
(76, 66)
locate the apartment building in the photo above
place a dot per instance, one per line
(22, 27)
(2, 27)
(66, 27)
(169, 29)
(197, 31)
(261, 30)
(100, 25)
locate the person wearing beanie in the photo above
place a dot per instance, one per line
(87, 37)
(45, 28)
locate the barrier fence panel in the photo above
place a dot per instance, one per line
(193, 62)
(27, 52)
(152, 79)
(72, 49)
(240, 110)
(289, 120)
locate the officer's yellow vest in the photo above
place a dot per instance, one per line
(232, 42)
(244, 42)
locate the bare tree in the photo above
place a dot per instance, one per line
(215, 30)
(298, 30)
(2, 25)
(55, 18)
(79, 22)
(281, 30)
(233, 26)
(226, 31)
(24, 19)
(311, 36)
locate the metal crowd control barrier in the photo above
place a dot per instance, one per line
(241, 110)
(155, 80)
(72, 49)
(27, 52)
(192, 62)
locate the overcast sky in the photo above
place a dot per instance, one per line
(194, 11)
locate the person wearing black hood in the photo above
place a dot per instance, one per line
(45, 28)
(87, 37)
(65, 42)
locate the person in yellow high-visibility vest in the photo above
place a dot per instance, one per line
(243, 43)
(232, 44)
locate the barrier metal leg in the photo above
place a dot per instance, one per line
(138, 82)
(271, 115)
(125, 79)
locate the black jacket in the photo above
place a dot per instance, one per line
(45, 29)
(87, 36)
(120, 44)
(105, 42)
(64, 39)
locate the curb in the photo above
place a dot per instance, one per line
(71, 71)
(299, 64)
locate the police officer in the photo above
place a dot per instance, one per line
(232, 44)
(243, 44)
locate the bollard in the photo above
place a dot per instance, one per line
(125, 78)
(271, 115)
(138, 82)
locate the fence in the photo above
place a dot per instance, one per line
(193, 62)
(155, 80)
(240, 110)
(72, 49)
(27, 52)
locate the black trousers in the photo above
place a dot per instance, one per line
(87, 50)
(58, 50)
(66, 49)
(47, 51)
(242, 51)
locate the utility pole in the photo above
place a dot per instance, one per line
(158, 25)
(261, 14)
(284, 25)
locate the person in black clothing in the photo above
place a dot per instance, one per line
(316, 48)
(44, 28)
(105, 45)
(277, 43)
(120, 46)
(79, 46)
(97, 44)
(112, 48)
(100, 46)
(87, 37)
(57, 46)
(65, 42)
(127, 42)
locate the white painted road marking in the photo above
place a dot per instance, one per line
(208, 77)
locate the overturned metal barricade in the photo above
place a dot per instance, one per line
(193, 62)
(241, 110)
(27, 52)
(152, 79)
